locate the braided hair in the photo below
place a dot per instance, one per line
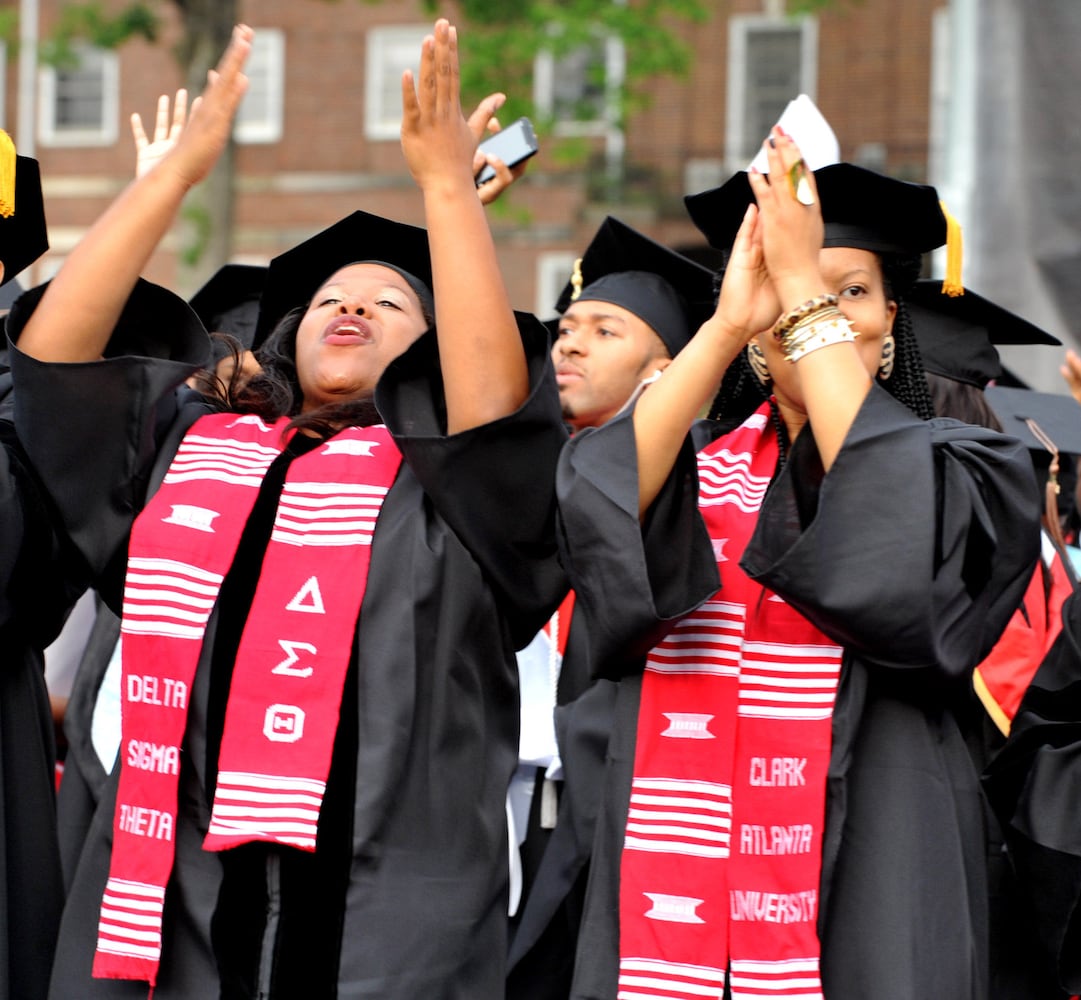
(741, 392)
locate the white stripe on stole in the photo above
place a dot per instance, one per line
(794, 979)
(242, 463)
(168, 597)
(725, 478)
(127, 909)
(654, 979)
(327, 514)
(785, 681)
(256, 805)
(707, 641)
(676, 816)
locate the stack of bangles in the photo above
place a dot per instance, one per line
(817, 323)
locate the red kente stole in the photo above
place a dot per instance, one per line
(722, 854)
(287, 683)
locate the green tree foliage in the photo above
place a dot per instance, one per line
(88, 22)
(501, 39)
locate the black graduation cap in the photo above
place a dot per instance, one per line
(860, 208)
(229, 301)
(1057, 415)
(957, 334)
(669, 292)
(294, 276)
(23, 236)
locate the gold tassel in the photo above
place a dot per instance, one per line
(576, 280)
(7, 175)
(951, 284)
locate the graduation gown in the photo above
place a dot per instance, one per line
(911, 554)
(1034, 785)
(407, 890)
(34, 598)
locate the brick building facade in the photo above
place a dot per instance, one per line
(320, 140)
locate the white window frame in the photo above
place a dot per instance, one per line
(544, 69)
(385, 62)
(51, 134)
(739, 27)
(554, 269)
(266, 71)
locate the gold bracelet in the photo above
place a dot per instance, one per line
(825, 312)
(824, 333)
(794, 316)
(804, 329)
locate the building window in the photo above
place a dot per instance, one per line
(259, 118)
(579, 92)
(79, 102)
(770, 61)
(553, 272)
(391, 51)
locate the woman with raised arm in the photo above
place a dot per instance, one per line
(790, 806)
(319, 611)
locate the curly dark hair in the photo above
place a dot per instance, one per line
(275, 391)
(741, 393)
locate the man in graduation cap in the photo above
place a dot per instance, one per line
(628, 309)
(34, 599)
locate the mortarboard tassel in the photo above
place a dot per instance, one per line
(576, 280)
(951, 284)
(7, 175)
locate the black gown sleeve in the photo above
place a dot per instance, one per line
(92, 430)
(633, 579)
(493, 484)
(917, 546)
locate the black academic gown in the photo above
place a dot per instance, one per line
(1034, 784)
(35, 595)
(410, 898)
(911, 554)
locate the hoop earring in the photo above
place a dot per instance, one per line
(889, 355)
(757, 360)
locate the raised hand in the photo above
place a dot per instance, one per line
(148, 152)
(748, 301)
(101, 271)
(200, 141)
(791, 221)
(437, 140)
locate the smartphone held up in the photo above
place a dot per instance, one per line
(512, 145)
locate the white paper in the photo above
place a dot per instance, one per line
(811, 132)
